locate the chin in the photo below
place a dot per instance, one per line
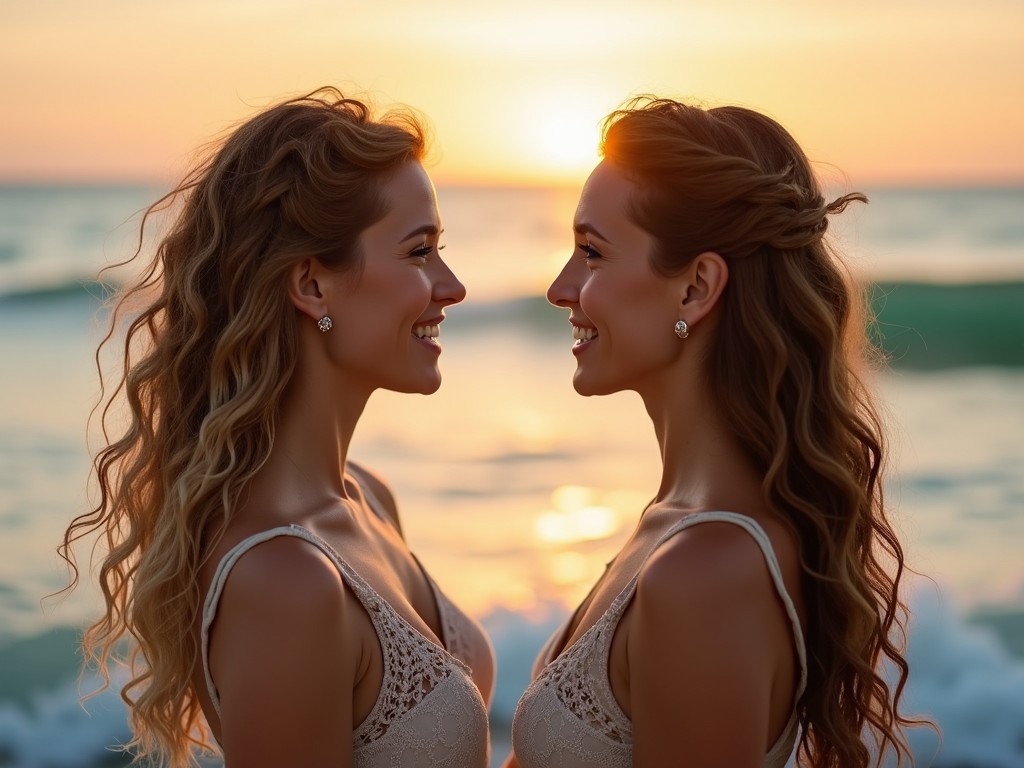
(426, 384)
(431, 388)
(589, 388)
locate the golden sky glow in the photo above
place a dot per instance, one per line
(889, 92)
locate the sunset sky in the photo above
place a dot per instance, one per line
(895, 92)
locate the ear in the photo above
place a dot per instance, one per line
(704, 280)
(305, 289)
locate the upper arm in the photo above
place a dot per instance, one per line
(703, 645)
(285, 656)
(379, 491)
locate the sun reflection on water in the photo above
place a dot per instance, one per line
(575, 537)
(575, 518)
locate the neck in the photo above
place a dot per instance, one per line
(703, 465)
(306, 468)
(314, 433)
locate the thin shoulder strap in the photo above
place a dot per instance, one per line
(220, 578)
(755, 530)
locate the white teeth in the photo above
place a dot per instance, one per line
(427, 331)
(583, 334)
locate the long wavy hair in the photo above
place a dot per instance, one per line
(784, 371)
(209, 350)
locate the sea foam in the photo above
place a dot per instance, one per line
(962, 678)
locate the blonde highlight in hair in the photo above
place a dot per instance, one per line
(205, 365)
(783, 370)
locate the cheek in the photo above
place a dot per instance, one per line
(599, 297)
(412, 292)
(617, 303)
(395, 299)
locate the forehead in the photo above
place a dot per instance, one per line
(605, 196)
(410, 200)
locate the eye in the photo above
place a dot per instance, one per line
(589, 252)
(425, 250)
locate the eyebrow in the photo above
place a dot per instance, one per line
(425, 229)
(584, 228)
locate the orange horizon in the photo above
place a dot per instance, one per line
(909, 95)
(442, 181)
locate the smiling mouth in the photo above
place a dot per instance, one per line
(426, 332)
(583, 335)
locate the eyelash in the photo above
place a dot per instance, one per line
(425, 250)
(589, 251)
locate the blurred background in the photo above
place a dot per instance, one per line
(514, 490)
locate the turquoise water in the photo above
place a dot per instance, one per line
(506, 447)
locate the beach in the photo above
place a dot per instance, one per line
(515, 491)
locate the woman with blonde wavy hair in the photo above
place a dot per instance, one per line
(750, 609)
(263, 576)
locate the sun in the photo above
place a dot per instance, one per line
(566, 142)
(551, 137)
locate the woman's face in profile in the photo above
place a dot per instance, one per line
(622, 312)
(388, 318)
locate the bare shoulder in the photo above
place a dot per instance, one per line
(705, 643)
(288, 591)
(712, 581)
(287, 574)
(378, 489)
(287, 650)
(711, 562)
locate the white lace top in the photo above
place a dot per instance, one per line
(569, 716)
(428, 711)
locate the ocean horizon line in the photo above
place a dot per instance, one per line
(166, 184)
(95, 288)
(915, 324)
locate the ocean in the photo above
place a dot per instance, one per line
(515, 491)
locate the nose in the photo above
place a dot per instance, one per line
(448, 289)
(564, 291)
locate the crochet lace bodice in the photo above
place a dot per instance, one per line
(569, 716)
(428, 711)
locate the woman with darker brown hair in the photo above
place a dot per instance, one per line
(263, 575)
(751, 607)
